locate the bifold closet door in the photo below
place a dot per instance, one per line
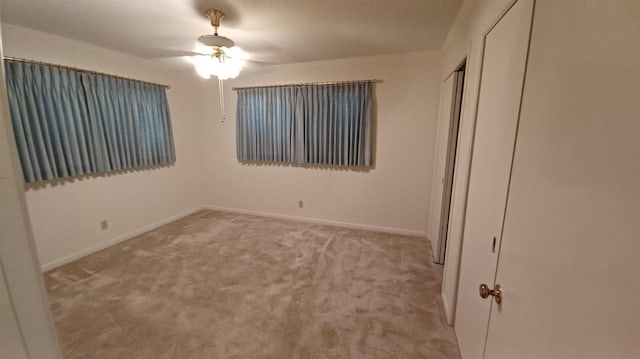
(570, 257)
(502, 78)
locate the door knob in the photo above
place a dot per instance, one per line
(496, 293)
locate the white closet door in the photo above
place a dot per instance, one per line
(570, 256)
(503, 67)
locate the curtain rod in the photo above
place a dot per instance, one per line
(28, 61)
(309, 84)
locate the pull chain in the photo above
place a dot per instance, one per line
(221, 90)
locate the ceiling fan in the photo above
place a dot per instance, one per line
(225, 60)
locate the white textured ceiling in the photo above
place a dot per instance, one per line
(270, 31)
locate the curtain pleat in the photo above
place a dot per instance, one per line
(320, 124)
(70, 123)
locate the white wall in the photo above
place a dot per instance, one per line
(464, 40)
(65, 216)
(394, 196)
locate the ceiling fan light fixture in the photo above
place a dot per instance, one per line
(226, 60)
(224, 63)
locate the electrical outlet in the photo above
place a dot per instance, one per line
(104, 224)
(300, 204)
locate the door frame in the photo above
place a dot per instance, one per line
(443, 166)
(450, 160)
(18, 257)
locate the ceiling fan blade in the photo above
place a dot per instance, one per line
(167, 53)
(259, 62)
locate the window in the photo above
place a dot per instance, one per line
(314, 124)
(72, 123)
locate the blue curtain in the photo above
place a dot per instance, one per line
(337, 124)
(322, 124)
(69, 123)
(265, 124)
(134, 119)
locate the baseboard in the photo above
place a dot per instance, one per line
(327, 222)
(447, 311)
(79, 254)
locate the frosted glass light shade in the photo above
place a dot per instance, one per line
(226, 66)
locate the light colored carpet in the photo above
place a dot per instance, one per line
(221, 285)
